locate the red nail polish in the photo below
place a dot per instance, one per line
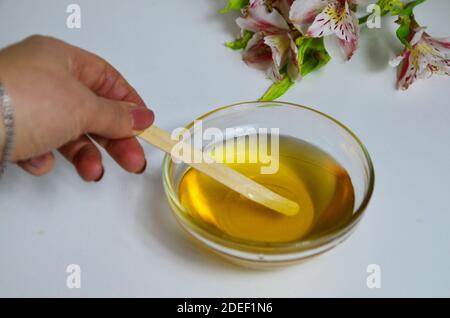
(141, 118)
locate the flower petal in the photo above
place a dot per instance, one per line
(257, 54)
(257, 18)
(425, 57)
(293, 69)
(432, 55)
(349, 47)
(431, 61)
(395, 61)
(442, 44)
(284, 52)
(338, 19)
(338, 48)
(283, 6)
(280, 45)
(333, 47)
(303, 13)
(408, 72)
(419, 32)
(274, 74)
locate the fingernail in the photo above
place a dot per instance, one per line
(101, 176)
(141, 118)
(38, 162)
(143, 168)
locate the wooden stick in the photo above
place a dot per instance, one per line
(222, 173)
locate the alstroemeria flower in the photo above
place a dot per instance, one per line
(257, 17)
(331, 19)
(272, 46)
(427, 56)
(272, 53)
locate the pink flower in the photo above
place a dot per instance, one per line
(331, 19)
(272, 47)
(425, 57)
(257, 17)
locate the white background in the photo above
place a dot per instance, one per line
(121, 231)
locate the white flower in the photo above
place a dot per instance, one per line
(425, 57)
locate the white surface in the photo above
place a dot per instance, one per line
(121, 231)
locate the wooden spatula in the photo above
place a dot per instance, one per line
(223, 174)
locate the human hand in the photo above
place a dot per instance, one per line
(63, 98)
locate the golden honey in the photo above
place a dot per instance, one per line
(306, 175)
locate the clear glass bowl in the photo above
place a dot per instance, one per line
(293, 120)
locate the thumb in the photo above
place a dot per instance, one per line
(117, 119)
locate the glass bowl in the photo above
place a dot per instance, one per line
(293, 120)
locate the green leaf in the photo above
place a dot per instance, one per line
(407, 22)
(312, 54)
(277, 89)
(404, 29)
(240, 43)
(314, 63)
(234, 5)
(393, 7)
(303, 43)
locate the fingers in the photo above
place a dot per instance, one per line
(86, 158)
(101, 77)
(113, 90)
(38, 166)
(116, 119)
(128, 153)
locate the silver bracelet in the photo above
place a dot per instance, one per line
(8, 121)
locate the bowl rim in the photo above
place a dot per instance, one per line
(275, 247)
